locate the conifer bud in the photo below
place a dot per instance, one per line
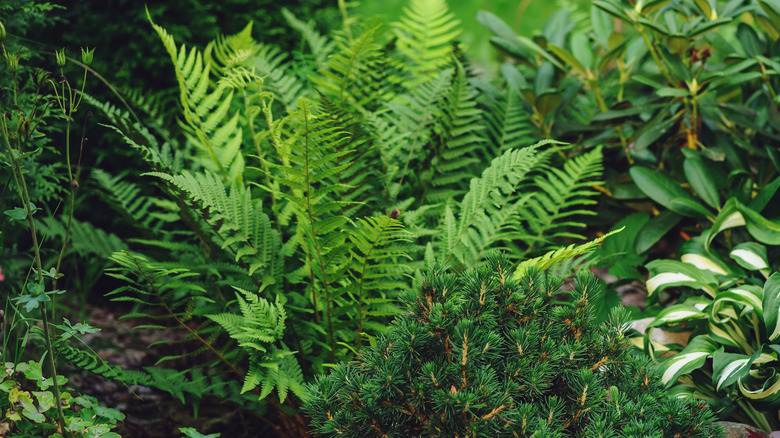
(60, 57)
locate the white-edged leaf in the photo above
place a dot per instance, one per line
(729, 367)
(691, 358)
(666, 273)
(750, 255)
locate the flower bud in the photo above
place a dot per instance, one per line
(86, 55)
(13, 62)
(60, 57)
(2, 31)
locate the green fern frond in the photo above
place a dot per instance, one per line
(508, 122)
(558, 255)
(461, 141)
(425, 34)
(85, 239)
(206, 109)
(238, 221)
(319, 46)
(260, 321)
(468, 236)
(561, 195)
(352, 76)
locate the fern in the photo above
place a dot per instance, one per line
(559, 255)
(425, 34)
(353, 76)
(482, 219)
(319, 46)
(238, 221)
(259, 328)
(562, 194)
(508, 123)
(206, 109)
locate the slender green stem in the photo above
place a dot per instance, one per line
(19, 177)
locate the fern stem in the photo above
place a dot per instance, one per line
(317, 248)
(181, 323)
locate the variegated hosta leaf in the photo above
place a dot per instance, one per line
(730, 332)
(771, 304)
(765, 391)
(676, 314)
(745, 298)
(689, 359)
(666, 273)
(735, 214)
(695, 254)
(728, 367)
(729, 217)
(750, 255)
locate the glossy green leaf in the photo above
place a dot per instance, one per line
(765, 195)
(701, 178)
(676, 314)
(666, 192)
(771, 306)
(655, 229)
(672, 92)
(539, 51)
(653, 130)
(746, 297)
(567, 58)
(768, 392)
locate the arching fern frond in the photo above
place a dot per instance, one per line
(425, 34)
(238, 221)
(561, 195)
(490, 198)
(206, 110)
(558, 255)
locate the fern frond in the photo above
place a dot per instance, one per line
(238, 221)
(468, 236)
(461, 141)
(319, 46)
(206, 109)
(260, 321)
(352, 76)
(558, 255)
(425, 34)
(561, 195)
(124, 197)
(508, 122)
(85, 239)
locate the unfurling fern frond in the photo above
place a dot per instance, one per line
(238, 221)
(206, 110)
(425, 34)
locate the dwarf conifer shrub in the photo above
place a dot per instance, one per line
(484, 355)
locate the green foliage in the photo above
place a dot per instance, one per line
(29, 406)
(732, 314)
(486, 356)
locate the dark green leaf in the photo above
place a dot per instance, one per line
(701, 178)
